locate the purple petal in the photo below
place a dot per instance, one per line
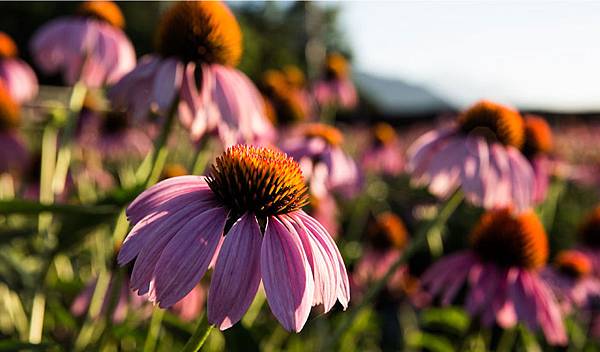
(186, 257)
(167, 83)
(286, 275)
(236, 277)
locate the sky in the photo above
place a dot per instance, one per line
(530, 55)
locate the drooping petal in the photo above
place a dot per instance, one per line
(323, 237)
(322, 262)
(237, 273)
(167, 83)
(286, 275)
(186, 257)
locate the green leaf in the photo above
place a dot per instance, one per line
(430, 342)
(450, 319)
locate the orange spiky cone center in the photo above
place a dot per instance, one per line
(538, 136)
(336, 66)
(10, 111)
(384, 133)
(200, 31)
(511, 240)
(260, 180)
(8, 48)
(573, 263)
(494, 122)
(388, 231)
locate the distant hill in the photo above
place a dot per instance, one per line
(394, 98)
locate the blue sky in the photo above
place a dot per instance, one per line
(535, 54)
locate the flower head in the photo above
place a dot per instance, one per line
(8, 48)
(14, 156)
(384, 154)
(89, 47)
(200, 31)
(317, 148)
(502, 271)
(106, 11)
(480, 154)
(335, 87)
(336, 66)
(572, 263)
(538, 136)
(388, 231)
(198, 43)
(495, 122)
(511, 240)
(246, 219)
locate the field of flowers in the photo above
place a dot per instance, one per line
(170, 202)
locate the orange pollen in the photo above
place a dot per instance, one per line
(330, 134)
(384, 133)
(10, 111)
(573, 263)
(336, 66)
(200, 31)
(538, 136)
(495, 122)
(511, 240)
(260, 180)
(388, 231)
(173, 170)
(106, 11)
(589, 230)
(8, 48)
(274, 81)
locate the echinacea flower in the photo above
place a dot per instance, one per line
(537, 146)
(317, 148)
(480, 154)
(199, 44)
(571, 280)
(589, 237)
(384, 155)
(89, 47)
(112, 135)
(335, 88)
(290, 101)
(501, 270)
(386, 239)
(15, 74)
(14, 156)
(247, 217)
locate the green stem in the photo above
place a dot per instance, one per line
(64, 153)
(154, 330)
(420, 239)
(202, 157)
(159, 156)
(199, 337)
(548, 215)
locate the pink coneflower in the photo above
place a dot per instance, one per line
(386, 238)
(571, 281)
(14, 157)
(90, 47)
(199, 43)
(112, 136)
(284, 91)
(501, 271)
(246, 214)
(15, 74)
(589, 236)
(317, 148)
(335, 88)
(537, 146)
(479, 154)
(384, 155)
